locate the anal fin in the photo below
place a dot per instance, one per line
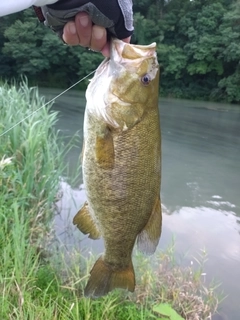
(148, 238)
(85, 222)
(104, 278)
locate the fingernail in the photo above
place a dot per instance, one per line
(84, 20)
(99, 33)
(72, 28)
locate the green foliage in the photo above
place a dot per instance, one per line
(166, 312)
(88, 61)
(30, 170)
(46, 281)
(198, 46)
(38, 53)
(30, 145)
(229, 87)
(172, 59)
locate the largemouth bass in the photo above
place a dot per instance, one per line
(122, 164)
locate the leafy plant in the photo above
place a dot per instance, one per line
(166, 311)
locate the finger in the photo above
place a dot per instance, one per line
(106, 50)
(99, 38)
(84, 29)
(70, 35)
(127, 39)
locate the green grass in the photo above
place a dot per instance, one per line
(35, 285)
(30, 168)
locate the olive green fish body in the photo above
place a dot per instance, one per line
(122, 165)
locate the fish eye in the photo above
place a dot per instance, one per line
(146, 79)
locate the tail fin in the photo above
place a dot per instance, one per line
(103, 279)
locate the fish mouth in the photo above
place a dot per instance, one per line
(122, 50)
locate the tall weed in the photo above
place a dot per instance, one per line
(31, 163)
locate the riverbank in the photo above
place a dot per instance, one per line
(36, 283)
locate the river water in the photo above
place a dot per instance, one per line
(200, 186)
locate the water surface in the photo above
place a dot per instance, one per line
(200, 186)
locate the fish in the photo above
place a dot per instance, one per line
(121, 164)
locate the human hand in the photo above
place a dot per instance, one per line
(82, 32)
(87, 22)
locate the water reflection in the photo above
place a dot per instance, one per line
(206, 227)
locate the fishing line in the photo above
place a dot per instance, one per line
(59, 95)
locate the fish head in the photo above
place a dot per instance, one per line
(135, 72)
(125, 85)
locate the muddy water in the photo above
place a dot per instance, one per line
(200, 187)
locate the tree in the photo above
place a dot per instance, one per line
(229, 85)
(7, 63)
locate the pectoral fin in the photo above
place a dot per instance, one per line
(85, 223)
(148, 238)
(105, 149)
